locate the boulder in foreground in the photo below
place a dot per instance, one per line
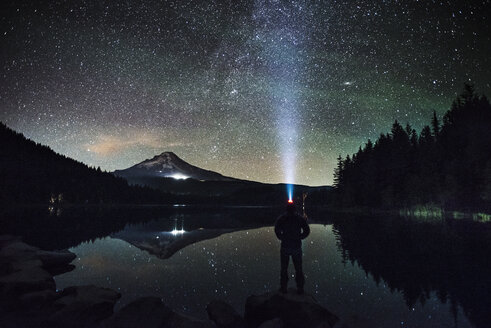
(151, 312)
(292, 309)
(144, 312)
(224, 315)
(83, 306)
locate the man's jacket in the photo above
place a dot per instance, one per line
(291, 229)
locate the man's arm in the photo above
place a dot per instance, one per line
(278, 229)
(305, 229)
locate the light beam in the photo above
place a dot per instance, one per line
(281, 33)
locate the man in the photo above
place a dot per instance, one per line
(291, 228)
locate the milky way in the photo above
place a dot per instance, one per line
(111, 83)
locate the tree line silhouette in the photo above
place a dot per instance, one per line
(33, 173)
(448, 259)
(447, 165)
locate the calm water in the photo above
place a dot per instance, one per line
(371, 272)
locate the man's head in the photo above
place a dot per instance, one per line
(290, 208)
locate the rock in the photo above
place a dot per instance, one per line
(28, 290)
(38, 299)
(293, 310)
(87, 294)
(56, 258)
(83, 306)
(182, 321)
(29, 278)
(151, 312)
(57, 262)
(273, 323)
(15, 251)
(26, 269)
(54, 271)
(224, 315)
(27, 264)
(144, 312)
(18, 250)
(5, 266)
(8, 239)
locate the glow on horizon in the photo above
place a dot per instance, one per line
(178, 176)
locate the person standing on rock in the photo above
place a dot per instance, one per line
(291, 228)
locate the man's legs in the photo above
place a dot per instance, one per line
(299, 277)
(284, 271)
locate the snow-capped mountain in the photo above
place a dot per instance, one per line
(170, 165)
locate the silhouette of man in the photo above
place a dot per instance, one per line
(291, 228)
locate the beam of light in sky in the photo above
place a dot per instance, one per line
(281, 34)
(289, 190)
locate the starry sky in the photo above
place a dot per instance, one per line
(271, 91)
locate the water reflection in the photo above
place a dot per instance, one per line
(74, 225)
(157, 239)
(449, 259)
(238, 264)
(375, 272)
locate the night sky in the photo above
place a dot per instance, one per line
(269, 91)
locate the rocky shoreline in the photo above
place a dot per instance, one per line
(29, 298)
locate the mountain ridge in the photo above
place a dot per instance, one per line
(169, 165)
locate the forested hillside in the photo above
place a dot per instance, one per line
(447, 165)
(33, 173)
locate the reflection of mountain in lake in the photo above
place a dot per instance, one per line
(72, 226)
(164, 244)
(450, 259)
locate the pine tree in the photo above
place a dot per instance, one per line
(469, 93)
(435, 126)
(425, 137)
(338, 171)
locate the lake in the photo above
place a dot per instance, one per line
(370, 271)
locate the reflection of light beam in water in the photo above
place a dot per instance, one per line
(174, 232)
(280, 32)
(177, 231)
